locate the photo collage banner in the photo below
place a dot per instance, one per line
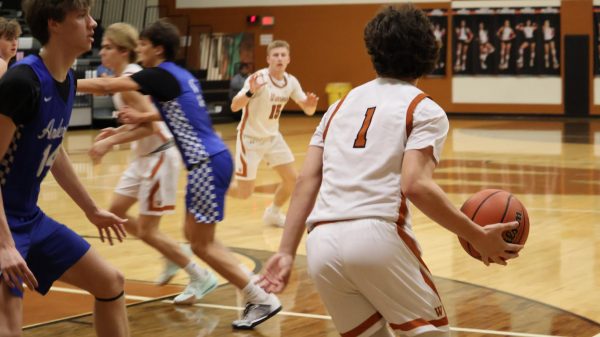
(506, 41)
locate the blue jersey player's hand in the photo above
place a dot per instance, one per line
(107, 222)
(14, 270)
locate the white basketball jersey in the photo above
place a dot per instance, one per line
(548, 33)
(507, 33)
(260, 117)
(483, 36)
(364, 138)
(146, 145)
(528, 32)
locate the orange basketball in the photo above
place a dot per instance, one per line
(495, 206)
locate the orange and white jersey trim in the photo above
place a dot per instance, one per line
(364, 137)
(261, 114)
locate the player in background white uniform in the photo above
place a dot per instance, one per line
(528, 30)
(506, 35)
(464, 36)
(485, 47)
(152, 175)
(549, 45)
(10, 30)
(262, 99)
(373, 151)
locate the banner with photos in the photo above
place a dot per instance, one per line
(506, 41)
(439, 21)
(597, 40)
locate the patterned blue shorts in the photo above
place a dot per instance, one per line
(207, 185)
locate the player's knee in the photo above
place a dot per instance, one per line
(200, 249)
(112, 287)
(146, 234)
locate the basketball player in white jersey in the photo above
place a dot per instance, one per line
(549, 45)
(10, 30)
(464, 36)
(373, 151)
(152, 176)
(506, 35)
(262, 100)
(485, 47)
(528, 30)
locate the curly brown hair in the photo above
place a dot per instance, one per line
(401, 43)
(9, 29)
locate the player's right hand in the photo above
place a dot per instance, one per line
(129, 115)
(276, 274)
(492, 247)
(14, 269)
(98, 150)
(105, 133)
(256, 82)
(107, 222)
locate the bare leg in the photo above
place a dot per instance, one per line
(288, 175)
(95, 275)
(210, 250)
(241, 189)
(11, 312)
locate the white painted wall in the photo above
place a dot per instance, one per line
(596, 91)
(507, 90)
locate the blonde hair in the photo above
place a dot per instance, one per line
(125, 37)
(9, 29)
(277, 44)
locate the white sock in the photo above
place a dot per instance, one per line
(195, 272)
(254, 293)
(246, 270)
(187, 249)
(274, 208)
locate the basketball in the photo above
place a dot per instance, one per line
(496, 206)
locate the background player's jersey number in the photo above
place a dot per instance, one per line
(47, 159)
(275, 111)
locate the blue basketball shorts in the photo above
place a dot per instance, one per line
(48, 247)
(207, 185)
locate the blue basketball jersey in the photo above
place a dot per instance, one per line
(187, 118)
(35, 144)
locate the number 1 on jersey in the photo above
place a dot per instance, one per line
(361, 137)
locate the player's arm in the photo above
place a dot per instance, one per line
(3, 67)
(309, 104)
(125, 133)
(279, 267)
(12, 265)
(65, 176)
(106, 85)
(420, 188)
(251, 87)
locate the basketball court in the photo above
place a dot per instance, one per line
(553, 167)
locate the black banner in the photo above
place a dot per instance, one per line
(506, 41)
(439, 22)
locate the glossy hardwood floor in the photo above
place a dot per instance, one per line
(552, 289)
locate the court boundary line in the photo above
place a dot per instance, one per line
(162, 299)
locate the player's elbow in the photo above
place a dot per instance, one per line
(414, 188)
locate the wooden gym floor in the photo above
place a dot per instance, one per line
(552, 289)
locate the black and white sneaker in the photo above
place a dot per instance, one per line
(256, 313)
